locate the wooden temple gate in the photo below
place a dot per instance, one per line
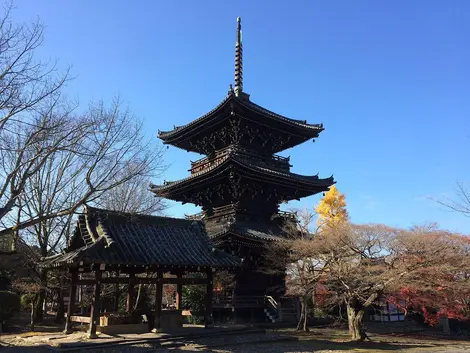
(117, 248)
(132, 280)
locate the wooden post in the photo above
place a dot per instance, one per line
(70, 309)
(208, 315)
(234, 304)
(158, 301)
(95, 306)
(116, 297)
(179, 293)
(130, 293)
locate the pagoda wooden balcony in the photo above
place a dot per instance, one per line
(285, 214)
(216, 212)
(233, 209)
(273, 161)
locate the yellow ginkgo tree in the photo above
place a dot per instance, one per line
(331, 209)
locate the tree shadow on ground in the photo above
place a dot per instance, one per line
(374, 346)
(318, 339)
(21, 324)
(304, 346)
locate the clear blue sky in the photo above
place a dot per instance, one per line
(390, 80)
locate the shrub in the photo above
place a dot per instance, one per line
(5, 279)
(9, 305)
(193, 299)
(26, 300)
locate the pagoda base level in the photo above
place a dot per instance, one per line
(254, 299)
(240, 316)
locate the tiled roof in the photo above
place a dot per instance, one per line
(252, 165)
(302, 123)
(247, 104)
(122, 238)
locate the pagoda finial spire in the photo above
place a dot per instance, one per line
(239, 60)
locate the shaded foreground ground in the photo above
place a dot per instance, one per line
(320, 340)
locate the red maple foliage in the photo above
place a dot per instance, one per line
(443, 288)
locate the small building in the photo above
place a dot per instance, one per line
(118, 248)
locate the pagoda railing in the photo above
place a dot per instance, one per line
(217, 157)
(195, 217)
(285, 214)
(216, 212)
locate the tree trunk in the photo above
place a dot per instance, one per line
(313, 307)
(60, 307)
(137, 300)
(32, 316)
(60, 315)
(355, 323)
(39, 312)
(303, 321)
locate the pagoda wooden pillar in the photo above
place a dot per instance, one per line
(116, 297)
(158, 301)
(70, 308)
(209, 292)
(234, 304)
(179, 293)
(130, 293)
(95, 306)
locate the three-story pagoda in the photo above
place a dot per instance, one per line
(241, 182)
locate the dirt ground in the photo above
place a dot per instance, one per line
(319, 340)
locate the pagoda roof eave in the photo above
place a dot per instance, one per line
(311, 130)
(308, 181)
(246, 232)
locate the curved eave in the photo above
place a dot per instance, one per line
(224, 235)
(315, 128)
(310, 130)
(165, 135)
(308, 181)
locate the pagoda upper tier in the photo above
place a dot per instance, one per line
(237, 120)
(237, 174)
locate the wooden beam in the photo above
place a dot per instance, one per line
(95, 306)
(78, 318)
(158, 301)
(70, 308)
(209, 293)
(137, 280)
(187, 281)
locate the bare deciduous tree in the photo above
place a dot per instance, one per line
(370, 261)
(357, 265)
(112, 154)
(29, 91)
(301, 257)
(133, 197)
(460, 203)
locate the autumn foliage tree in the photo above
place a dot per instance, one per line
(331, 210)
(438, 289)
(357, 265)
(369, 262)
